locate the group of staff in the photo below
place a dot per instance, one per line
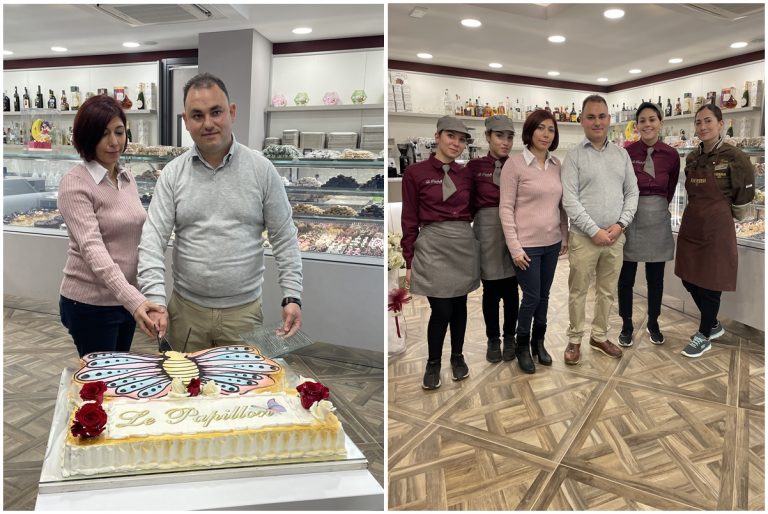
(503, 221)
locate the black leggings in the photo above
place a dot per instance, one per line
(654, 276)
(446, 311)
(493, 292)
(708, 302)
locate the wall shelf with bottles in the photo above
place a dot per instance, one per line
(131, 112)
(347, 107)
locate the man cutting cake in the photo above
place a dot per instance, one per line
(217, 198)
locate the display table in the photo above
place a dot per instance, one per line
(330, 485)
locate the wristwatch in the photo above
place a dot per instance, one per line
(290, 299)
(620, 224)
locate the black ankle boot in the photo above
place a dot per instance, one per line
(523, 352)
(493, 354)
(537, 345)
(509, 348)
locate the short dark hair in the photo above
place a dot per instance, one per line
(533, 121)
(593, 98)
(90, 122)
(204, 81)
(712, 107)
(648, 105)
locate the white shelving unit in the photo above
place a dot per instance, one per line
(131, 112)
(328, 108)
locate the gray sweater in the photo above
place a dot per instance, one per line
(218, 216)
(599, 187)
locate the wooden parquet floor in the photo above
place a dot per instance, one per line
(37, 348)
(651, 431)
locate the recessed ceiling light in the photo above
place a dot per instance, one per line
(495, 65)
(614, 14)
(7, 52)
(302, 30)
(58, 49)
(553, 73)
(131, 44)
(556, 39)
(602, 79)
(675, 60)
(471, 23)
(424, 55)
(739, 44)
(635, 71)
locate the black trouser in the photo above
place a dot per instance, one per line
(97, 328)
(446, 311)
(708, 302)
(654, 276)
(493, 292)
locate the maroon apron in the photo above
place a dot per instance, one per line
(706, 244)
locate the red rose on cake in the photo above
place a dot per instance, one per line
(193, 388)
(311, 392)
(93, 391)
(90, 421)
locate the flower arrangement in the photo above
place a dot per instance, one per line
(395, 258)
(279, 101)
(90, 419)
(311, 392)
(331, 98)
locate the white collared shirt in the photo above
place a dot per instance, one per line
(99, 173)
(530, 158)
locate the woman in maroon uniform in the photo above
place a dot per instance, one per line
(439, 247)
(649, 236)
(496, 269)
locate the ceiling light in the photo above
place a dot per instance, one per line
(675, 60)
(302, 30)
(58, 49)
(739, 44)
(614, 14)
(556, 39)
(7, 52)
(495, 65)
(469, 22)
(635, 71)
(131, 44)
(424, 55)
(553, 73)
(602, 79)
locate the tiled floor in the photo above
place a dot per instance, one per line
(37, 348)
(653, 430)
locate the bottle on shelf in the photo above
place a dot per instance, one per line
(578, 117)
(682, 135)
(447, 104)
(141, 103)
(518, 111)
(574, 116)
(64, 105)
(128, 132)
(75, 105)
(659, 104)
(6, 104)
(487, 111)
(478, 108)
(745, 95)
(729, 132)
(556, 113)
(678, 107)
(508, 107)
(501, 109)
(51, 99)
(39, 98)
(546, 107)
(668, 110)
(16, 102)
(25, 100)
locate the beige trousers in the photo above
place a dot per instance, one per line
(209, 327)
(588, 261)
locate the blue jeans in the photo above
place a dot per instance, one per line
(535, 283)
(97, 328)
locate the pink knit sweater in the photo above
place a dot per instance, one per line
(104, 226)
(530, 205)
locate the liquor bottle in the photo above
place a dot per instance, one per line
(25, 100)
(546, 107)
(729, 132)
(470, 109)
(678, 107)
(141, 103)
(6, 104)
(682, 135)
(508, 107)
(745, 95)
(660, 105)
(447, 105)
(467, 109)
(128, 132)
(64, 105)
(668, 110)
(487, 111)
(556, 113)
(518, 112)
(39, 98)
(51, 100)
(478, 108)
(578, 118)
(16, 104)
(75, 90)
(573, 113)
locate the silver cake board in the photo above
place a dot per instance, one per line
(271, 345)
(52, 479)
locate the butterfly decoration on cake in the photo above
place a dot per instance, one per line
(236, 369)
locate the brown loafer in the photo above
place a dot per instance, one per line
(606, 347)
(572, 353)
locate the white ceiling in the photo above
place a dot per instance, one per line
(515, 35)
(30, 30)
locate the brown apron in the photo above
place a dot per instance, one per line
(446, 261)
(706, 244)
(495, 260)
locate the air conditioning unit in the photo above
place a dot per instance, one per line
(731, 12)
(140, 15)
